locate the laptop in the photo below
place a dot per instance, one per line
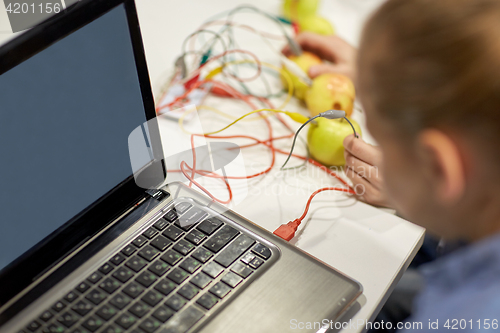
(87, 243)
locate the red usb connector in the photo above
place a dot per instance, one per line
(287, 231)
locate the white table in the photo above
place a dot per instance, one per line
(366, 243)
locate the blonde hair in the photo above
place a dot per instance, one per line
(434, 63)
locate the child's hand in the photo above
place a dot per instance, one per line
(340, 54)
(362, 166)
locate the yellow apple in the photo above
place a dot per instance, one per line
(325, 140)
(330, 91)
(304, 61)
(316, 24)
(296, 9)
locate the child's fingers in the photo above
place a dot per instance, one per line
(317, 44)
(364, 170)
(317, 70)
(286, 51)
(365, 191)
(363, 151)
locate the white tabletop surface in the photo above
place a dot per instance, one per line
(366, 243)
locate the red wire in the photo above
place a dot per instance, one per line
(268, 143)
(341, 189)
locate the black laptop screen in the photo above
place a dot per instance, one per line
(66, 114)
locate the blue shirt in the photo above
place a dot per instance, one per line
(462, 291)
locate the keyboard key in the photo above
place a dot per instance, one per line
(172, 232)
(149, 325)
(165, 287)
(213, 269)
(188, 291)
(106, 312)
(256, 262)
(159, 267)
(221, 238)
(146, 278)
(182, 207)
(195, 237)
(184, 247)
(210, 225)
(82, 287)
(56, 328)
(120, 301)
(34, 325)
(231, 279)
(136, 263)
(160, 224)
(201, 280)
(58, 306)
(191, 218)
(178, 275)
(234, 250)
(190, 265)
(46, 316)
(94, 277)
(152, 298)
(163, 314)
(96, 296)
(67, 319)
(109, 285)
(126, 320)
(161, 243)
(80, 330)
(207, 301)
(112, 329)
(150, 233)
(149, 253)
(133, 289)
(140, 241)
(247, 258)
(123, 274)
(117, 259)
(171, 257)
(262, 251)
(139, 309)
(92, 324)
(183, 321)
(242, 270)
(175, 302)
(220, 290)
(129, 250)
(71, 296)
(82, 307)
(171, 215)
(202, 254)
(106, 268)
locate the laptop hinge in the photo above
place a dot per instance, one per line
(157, 194)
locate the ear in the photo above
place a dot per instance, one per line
(443, 164)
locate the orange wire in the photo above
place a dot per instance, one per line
(341, 189)
(268, 143)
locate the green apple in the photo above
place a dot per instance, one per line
(325, 140)
(296, 9)
(330, 91)
(304, 61)
(316, 24)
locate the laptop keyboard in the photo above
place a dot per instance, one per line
(168, 277)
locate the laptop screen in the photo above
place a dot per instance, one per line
(67, 113)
